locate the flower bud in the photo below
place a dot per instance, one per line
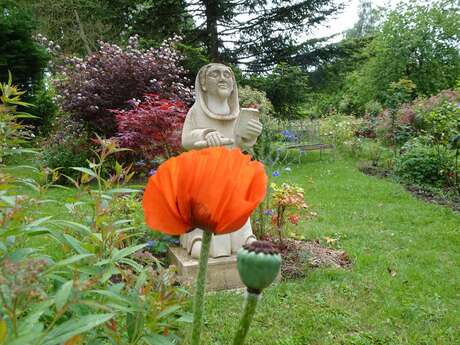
(258, 264)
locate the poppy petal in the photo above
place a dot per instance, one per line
(215, 189)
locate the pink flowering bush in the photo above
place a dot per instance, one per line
(153, 127)
(115, 78)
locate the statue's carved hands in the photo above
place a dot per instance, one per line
(253, 129)
(213, 139)
(216, 139)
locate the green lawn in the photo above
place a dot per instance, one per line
(403, 288)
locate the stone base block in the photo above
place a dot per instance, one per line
(222, 272)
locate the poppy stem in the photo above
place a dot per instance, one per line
(198, 304)
(250, 304)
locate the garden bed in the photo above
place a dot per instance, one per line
(298, 256)
(445, 197)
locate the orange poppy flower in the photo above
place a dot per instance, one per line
(214, 189)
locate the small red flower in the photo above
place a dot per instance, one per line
(294, 219)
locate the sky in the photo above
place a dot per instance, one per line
(347, 18)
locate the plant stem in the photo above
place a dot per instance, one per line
(250, 305)
(198, 303)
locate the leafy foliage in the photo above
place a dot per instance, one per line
(153, 127)
(259, 34)
(416, 42)
(113, 77)
(13, 134)
(286, 200)
(18, 51)
(67, 146)
(286, 87)
(99, 285)
(423, 164)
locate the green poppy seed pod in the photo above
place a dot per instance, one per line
(258, 264)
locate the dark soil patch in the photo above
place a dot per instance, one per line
(445, 197)
(373, 170)
(298, 256)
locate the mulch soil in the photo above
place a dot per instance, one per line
(300, 256)
(445, 197)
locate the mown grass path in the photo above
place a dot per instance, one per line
(403, 288)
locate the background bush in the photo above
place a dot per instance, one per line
(423, 164)
(67, 146)
(116, 78)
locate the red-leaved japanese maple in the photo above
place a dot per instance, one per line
(153, 127)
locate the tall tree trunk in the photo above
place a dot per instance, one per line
(212, 13)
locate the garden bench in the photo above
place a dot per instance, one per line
(303, 137)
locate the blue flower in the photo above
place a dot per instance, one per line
(276, 173)
(286, 133)
(268, 212)
(150, 244)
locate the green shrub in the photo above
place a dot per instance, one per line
(250, 97)
(373, 108)
(440, 121)
(44, 109)
(13, 133)
(67, 146)
(423, 164)
(339, 129)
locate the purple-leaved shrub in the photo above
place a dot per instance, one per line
(113, 77)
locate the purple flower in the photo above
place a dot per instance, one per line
(152, 172)
(276, 173)
(268, 212)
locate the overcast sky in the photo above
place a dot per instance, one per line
(347, 18)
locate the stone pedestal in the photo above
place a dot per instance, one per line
(222, 272)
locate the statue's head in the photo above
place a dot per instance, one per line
(217, 80)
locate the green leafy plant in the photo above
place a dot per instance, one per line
(423, 164)
(13, 134)
(98, 284)
(288, 201)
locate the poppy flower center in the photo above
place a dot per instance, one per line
(201, 217)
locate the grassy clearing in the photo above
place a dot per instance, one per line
(404, 284)
(402, 289)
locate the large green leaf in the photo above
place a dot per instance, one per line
(127, 251)
(86, 171)
(82, 228)
(63, 294)
(72, 260)
(157, 339)
(75, 244)
(73, 327)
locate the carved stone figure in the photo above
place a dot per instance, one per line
(214, 120)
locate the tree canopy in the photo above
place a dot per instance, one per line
(19, 53)
(259, 34)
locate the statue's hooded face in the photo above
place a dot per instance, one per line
(217, 80)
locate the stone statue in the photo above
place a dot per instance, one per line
(214, 120)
